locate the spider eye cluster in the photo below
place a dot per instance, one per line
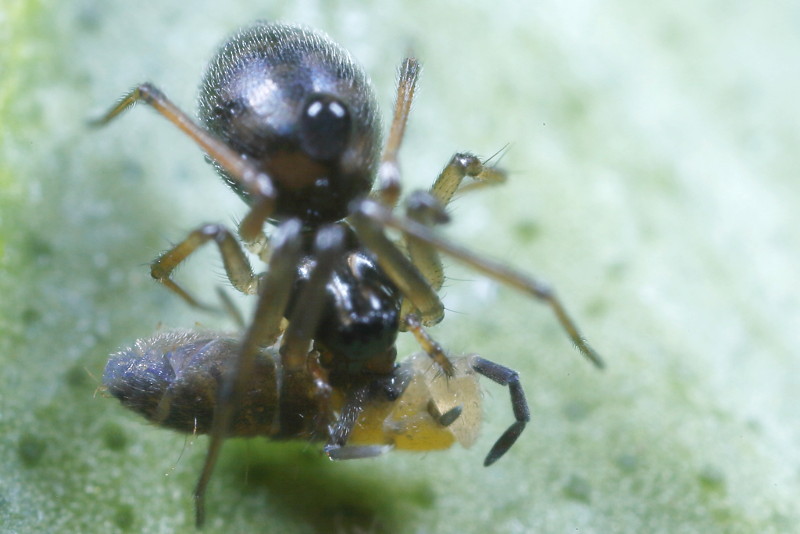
(299, 108)
(325, 126)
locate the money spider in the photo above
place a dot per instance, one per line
(291, 123)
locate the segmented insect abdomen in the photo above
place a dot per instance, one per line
(173, 380)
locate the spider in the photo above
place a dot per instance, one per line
(290, 122)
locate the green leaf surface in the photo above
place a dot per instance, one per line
(653, 158)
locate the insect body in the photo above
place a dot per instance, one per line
(291, 124)
(173, 379)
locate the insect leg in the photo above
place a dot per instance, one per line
(447, 418)
(308, 308)
(356, 452)
(388, 191)
(263, 331)
(505, 377)
(379, 215)
(354, 403)
(237, 267)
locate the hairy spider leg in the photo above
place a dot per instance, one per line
(389, 177)
(264, 330)
(373, 215)
(256, 182)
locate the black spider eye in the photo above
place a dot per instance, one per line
(324, 127)
(228, 109)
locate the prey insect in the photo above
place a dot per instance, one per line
(291, 123)
(173, 379)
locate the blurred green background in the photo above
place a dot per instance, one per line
(653, 158)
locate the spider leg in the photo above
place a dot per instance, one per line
(463, 165)
(263, 331)
(369, 210)
(389, 188)
(398, 267)
(249, 176)
(420, 274)
(429, 208)
(307, 311)
(412, 283)
(237, 267)
(505, 377)
(428, 344)
(423, 208)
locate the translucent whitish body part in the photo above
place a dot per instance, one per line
(413, 421)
